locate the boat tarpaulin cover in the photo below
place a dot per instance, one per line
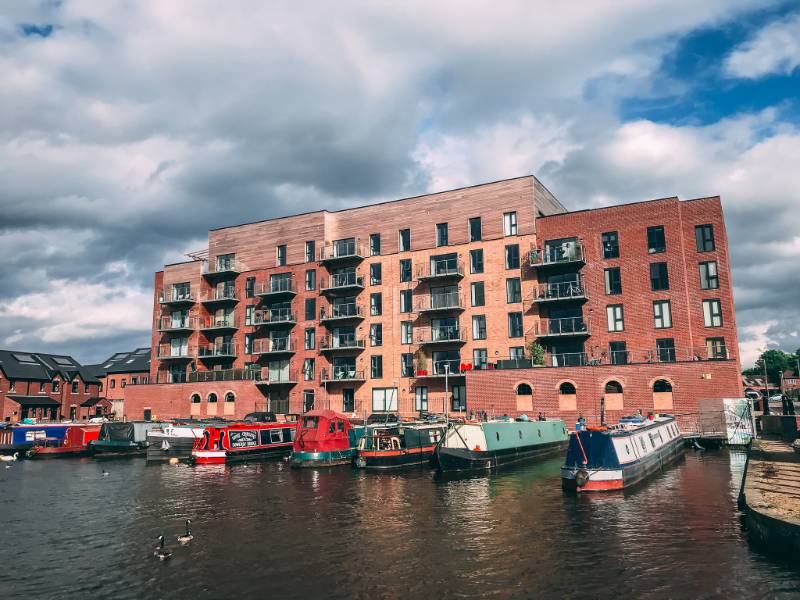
(119, 432)
(33, 400)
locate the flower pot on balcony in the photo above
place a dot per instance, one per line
(421, 372)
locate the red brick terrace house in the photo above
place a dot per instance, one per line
(47, 387)
(433, 303)
(119, 371)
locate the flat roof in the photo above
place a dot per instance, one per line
(623, 204)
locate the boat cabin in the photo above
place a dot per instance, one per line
(322, 431)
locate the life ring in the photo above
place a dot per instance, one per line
(581, 477)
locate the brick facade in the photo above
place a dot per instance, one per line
(68, 401)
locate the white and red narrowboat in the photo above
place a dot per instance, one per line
(601, 459)
(325, 438)
(75, 442)
(222, 444)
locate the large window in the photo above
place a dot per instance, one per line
(406, 364)
(404, 240)
(513, 290)
(376, 367)
(374, 244)
(308, 369)
(715, 348)
(405, 301)
(618, 353)
(659, 277)
(375, 274)
(406, 332)
(384, 399)
(514, 324)
(441, 234)
(248, 343)
(475, 233)
(613, 279)
(478, 327)
(704, 238)
(712, 313)
(614, 315)
(311, 280)
(709, 279)
(308, 400)
(250, 287)
(510, 223)
(610, 241)
(405, 270)
(662, 314)
(310, 309)
(310, 338)
(280, 258)
(376, 334)
(478, 297)
(655, 240)
(480, 358)
(665, 347)
(512, 256)
(421, 398)
(476, 261)
(310, 251)
(375, 304)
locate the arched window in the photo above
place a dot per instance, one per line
(195, 398)
(613, 387)
(566, 389)
(212, 398)
(662, 385)
(229, 397)
(523, 389)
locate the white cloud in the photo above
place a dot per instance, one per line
(775, 49)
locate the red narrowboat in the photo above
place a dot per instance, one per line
(221, 444)
(74, 443)
(325, 438)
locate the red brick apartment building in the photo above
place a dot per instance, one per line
(434, 303)
(46, 387)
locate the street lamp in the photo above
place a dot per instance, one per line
(766, 388)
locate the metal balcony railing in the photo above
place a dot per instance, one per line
(267, 376)
(176, 296)
(221, 294)
(170, 352)
(440, 269)
(441, 302)
(223, 267)
(441, 368)
(218, 351)
(440, 335)
(341, 374)
(638, 356)
(277, 286)
(567, 290)
(219, 323)
(351, 310)
(170, 323)
(224, 375)
(339, 281)
(274, 345)
(343, 250)
(570, 326)
(272, 316)
(341, 342)
(556, 255)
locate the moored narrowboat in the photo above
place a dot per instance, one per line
(220, 444)
(74, 443)
(20, 437)
(174, 440)
(128, 438)
(616, 457)
(325, 438)
(479, 446)
(398, 445)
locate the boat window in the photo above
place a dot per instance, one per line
(310, 422)
(627, 449)
(641, 440)
(332, 427)
(341, 426)
(652, 443)
(275, 436)
(540, 432)
(497, 433)
(288, 435)
(520, 434)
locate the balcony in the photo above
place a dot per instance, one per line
(341, 374)
(217, 352)
(442, 369)
(569, 327)
(557, 256)
(277, 289)
(175, 297)
(218, 324)
(342, 252)
(267, 377)
(341, 283)
(551, 293)
(274, 346)
(222, 269)
(169, 352)
(341, 313)
(440, 336)
(169, 324)
(277, 317)
(341, 343)
(436, 303)
(638, 356)
(220, 296)
(444, 270)
(223, 375)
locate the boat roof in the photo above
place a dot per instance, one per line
(326, 413)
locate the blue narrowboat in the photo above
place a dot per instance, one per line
(20, 437)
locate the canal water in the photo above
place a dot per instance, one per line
(267, 531)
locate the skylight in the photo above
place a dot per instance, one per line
(26, 358)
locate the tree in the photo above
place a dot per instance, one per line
(536, 352)
(777, 362)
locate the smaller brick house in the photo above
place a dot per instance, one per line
(119, 371)
(46, 387)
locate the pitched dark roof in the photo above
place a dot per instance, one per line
(37, 366)
(137, 361)
(33, 400)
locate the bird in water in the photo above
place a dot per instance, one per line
(160, 552)
(105, 473)
(12, 458)
(187, 537)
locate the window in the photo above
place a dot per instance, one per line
(374, 244)
(250, 287)
(513, 290)
(523, 389)
(308, 400)
(311, 250)
(229, 397)
(112, 385)
(515, 324)
(715, 348)
(665, 348)
(655, 240)
(512, 256)
(74, 388)
(476, 261)
(708, 275)
(376, 367)
(376, 334)
(516, 352)
(475, 234)
(248, 343)
(478, 298)
(404, 240)
(311, 280)
(310, 309)
(308, 369)
(421, 398)
(375, 274)
(662, 385)
(510, 223)
(618, 352)
(195, 398)
(375, 304)
(280, 258)
(384, 399)
(248, 314)
(567, 389)
(406, 364)
(405, 270)
(480, 358)
(662, 314)
(441, 234)
(348, 403)
(310, 338)
(704, 237)
(123, 383)
(405, 301)
(610, 241)
(659, 277)
(478, 327)
(406, 332)
(41, 388)
(212, 398)
(614, 315)
(712, 313)
(613, 281)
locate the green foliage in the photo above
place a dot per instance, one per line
(777, 361)
(536, 352)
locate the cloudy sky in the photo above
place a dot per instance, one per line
(127, 129)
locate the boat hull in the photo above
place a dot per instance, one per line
(463, 460)
(329, 458)
(117, 449)
(217, 457)
(180, 448)
(395, 459)
(37, 452)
